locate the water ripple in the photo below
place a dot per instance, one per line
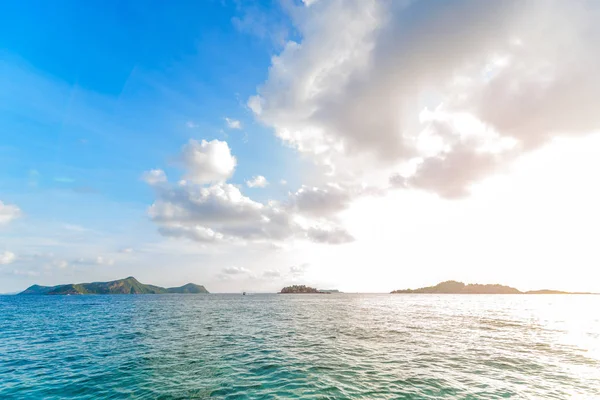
(299, 346)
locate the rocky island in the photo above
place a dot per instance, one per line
(299, 289)
(454, 287)
(121, 286)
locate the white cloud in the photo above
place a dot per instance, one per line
(127, 250)
(321, 201)
(283, 182)
(257, 182)
(207, 162)
(62, 264)
(8, 212)
(190, 210)
(233, 123)
(329, 235)
(522, 71)
(271, 273)
(100, 260)
(7, 257)
(191, 124)
(196, 232)
(236, 270)
(154, 176)
(298, 270)
(221, 212)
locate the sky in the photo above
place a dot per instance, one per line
(357, 145)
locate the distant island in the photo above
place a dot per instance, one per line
(121, 286)
(454, 287)
(299, 289)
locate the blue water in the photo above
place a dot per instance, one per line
(300, 346)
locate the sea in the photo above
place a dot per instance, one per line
(269, 346)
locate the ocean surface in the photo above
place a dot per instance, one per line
(339, 346)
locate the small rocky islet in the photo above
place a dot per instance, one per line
(301, 289)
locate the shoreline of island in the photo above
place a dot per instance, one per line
(456, 287)
(129, 285)
(303, 289)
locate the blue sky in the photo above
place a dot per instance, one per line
(245, 145)
(91, 93)
(95, 93)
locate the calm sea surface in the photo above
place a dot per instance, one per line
(300, 346)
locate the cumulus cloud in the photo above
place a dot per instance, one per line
(199, 212)
(320, 201)
(207, 162)
(154, 176)
(523, 71)
(257, 182)
(233, 123)
(221, 212)
(7, 257)
(8, 212)
(329, 199)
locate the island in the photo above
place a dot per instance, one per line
(295, 289)
(128, 285)
(455, 287)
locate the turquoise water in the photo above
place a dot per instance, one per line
(300, 346)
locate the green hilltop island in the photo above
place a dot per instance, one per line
(454, 287)
(121, 286)
(302, 289)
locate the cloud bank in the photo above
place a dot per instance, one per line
(432, 95)
(386, 95)
(203, 207)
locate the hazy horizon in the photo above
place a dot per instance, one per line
(357, 145)
(250, 291)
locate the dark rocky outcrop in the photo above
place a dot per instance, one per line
(298, 289)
